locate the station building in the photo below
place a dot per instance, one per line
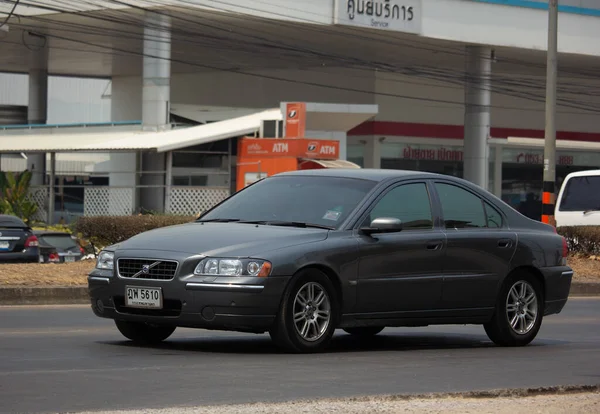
(449, 86)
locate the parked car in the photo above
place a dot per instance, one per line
(58, 247)
(301, 254)
(17, 241)
(48, 254)
(578, 201)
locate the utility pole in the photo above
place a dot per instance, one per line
(548, 188)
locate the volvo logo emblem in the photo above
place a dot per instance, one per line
(145, 270)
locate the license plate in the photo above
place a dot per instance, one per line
(4, 245)
(69, 259)
(143, 297)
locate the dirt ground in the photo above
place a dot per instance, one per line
(548, 404)
(74, 274)
(37, 274)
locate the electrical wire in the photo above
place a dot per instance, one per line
(502, 86)
(10, 13)
(456, 50)
(156, 3)
(120, 2)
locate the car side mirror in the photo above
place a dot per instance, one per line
(383, 225)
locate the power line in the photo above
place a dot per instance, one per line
(279, 23)
(10, 13)
(281, 79)
(455, 77)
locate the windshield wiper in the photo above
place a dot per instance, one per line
(219, 220)
(300, 224)
(591, 210)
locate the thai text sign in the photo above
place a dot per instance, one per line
(394, 15)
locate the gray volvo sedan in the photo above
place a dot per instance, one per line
(301, 254)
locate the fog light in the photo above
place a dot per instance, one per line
(208, 313)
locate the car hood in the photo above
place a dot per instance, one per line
(222, 239)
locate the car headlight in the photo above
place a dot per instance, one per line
(233, 267)
(106, 261)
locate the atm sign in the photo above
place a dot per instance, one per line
(295, 147)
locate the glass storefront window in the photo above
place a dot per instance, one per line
(523, 175)
(522, 168)
(355, 153)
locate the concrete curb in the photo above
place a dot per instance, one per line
(63, 295)
(484, 394)
(71, 295)
(585, 289)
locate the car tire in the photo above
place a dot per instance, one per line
(364, 331)
(519, 311)
(143, 333)
(308, 314)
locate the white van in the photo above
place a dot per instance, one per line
(578, 202)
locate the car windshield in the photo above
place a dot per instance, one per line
(581, 194)
(322, 201)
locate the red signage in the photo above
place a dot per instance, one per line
(281, 147)
(537, 158)
(295, 120)
(439, 154)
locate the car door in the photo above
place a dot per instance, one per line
(479, 247)
(401, 271)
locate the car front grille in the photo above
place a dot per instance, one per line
(147, 269)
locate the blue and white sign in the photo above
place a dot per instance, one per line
(584, 7)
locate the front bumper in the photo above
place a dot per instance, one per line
(242, 304)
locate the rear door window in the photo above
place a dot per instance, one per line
(581, 194)
(461, 208)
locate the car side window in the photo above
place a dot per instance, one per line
(409, 203)
(494, 218)
(461, 208)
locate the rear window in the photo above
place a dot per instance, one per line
(61, 242)
(581, 194)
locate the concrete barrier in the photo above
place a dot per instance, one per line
(63, 295)
(70, 295)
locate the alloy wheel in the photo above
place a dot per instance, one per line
(312, 311)
(522, 307)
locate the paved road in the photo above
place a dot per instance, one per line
(57, 359)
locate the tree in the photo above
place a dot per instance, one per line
(14, 190)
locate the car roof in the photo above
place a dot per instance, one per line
(362, 173)
(12, 221)
(50, 233)
(585, 173)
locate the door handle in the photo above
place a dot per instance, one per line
(434, 245)
(504, 243)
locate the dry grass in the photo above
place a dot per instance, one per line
(587, 269)
(36, 274)
(74, 274)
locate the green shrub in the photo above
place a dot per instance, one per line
(583, 240)
(104, 231)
